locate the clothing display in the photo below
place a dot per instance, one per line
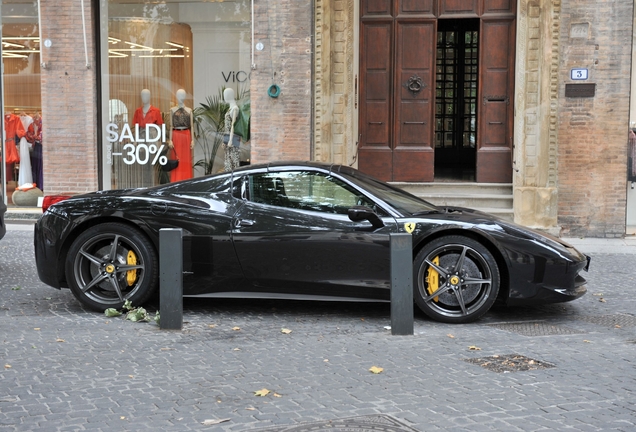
(14, 131)
(146, 172)
(25, 176)
(34, 136)
(152, 116)
(181, 140)
(232, 152)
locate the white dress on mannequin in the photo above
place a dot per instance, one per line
(25, 176)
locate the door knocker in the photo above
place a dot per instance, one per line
(414, 84)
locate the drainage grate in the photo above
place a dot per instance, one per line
(509, 363)
(622, 320)
(535, 328)
(375, 423)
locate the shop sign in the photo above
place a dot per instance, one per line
(136, 150)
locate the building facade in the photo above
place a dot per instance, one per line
(530, 94)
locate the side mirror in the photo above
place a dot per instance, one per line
(361, 213)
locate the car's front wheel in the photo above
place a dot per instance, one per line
(456, 279)
(110, 263)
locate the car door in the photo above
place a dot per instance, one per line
(204, 208)
(293, 237)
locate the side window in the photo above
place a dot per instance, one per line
(306, 191)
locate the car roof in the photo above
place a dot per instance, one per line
(288, 164)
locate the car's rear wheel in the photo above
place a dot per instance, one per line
(456, 279)
(110, 263)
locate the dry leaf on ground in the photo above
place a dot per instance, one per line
(450, 336)
(210, 422)
(277, 395)
(236, 328)
(285, 331)
(7, 366)
(474, 348)
(602, 300)
(262, 392)
(376, 370)
(59, 340)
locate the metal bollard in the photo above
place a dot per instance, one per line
(171, 278)
(401, 284)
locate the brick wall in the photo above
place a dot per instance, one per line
(593, 131)
(68, 99)
(281, 127)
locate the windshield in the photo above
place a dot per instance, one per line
(400, 200)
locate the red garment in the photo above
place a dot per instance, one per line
(181, 139)
(34, 133)
(152, 116)
(14, 130)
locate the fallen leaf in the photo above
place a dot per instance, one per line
(326, 360)
(59, 340)
(166, 349)
(597, 294)
(211, 325)
(450, 336)
(602, 300)
(262, 392)
(285, 331)
(236, 328)
(16, 288)
(47, 298)
(236, 349)
(7, 366)
(586, 341)
(112, 312)
(131, 376)
(211, 422)
(251, 409)
(376, 370)
(474, 348)
(122, 418)
(617, 326)
(36, 328)
(277, 395)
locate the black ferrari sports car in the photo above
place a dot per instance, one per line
(299, 231)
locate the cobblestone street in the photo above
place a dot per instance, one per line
(66, 368)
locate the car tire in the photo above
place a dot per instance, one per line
(442, 285)
(100, 282)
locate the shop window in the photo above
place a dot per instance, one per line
(167, 65)
(21, 152)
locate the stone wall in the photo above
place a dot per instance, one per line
(593, 131)
(282, 127)
(69, 100)
(335, 86)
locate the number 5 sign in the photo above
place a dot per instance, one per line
(578, 74)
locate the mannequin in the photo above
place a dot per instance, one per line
(26, 176)
(181, 138)
(144, 115)
(34, 136)
(232, 150)
(14, 131)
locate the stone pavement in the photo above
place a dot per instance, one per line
(64, 368)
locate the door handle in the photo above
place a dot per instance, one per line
(495, 123)
(419, 123)
(378, 123)
(244, 223)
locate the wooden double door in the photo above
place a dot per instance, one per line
(436, 76)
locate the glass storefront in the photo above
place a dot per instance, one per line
(165, 66)
(21, 153)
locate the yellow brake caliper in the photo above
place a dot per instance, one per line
(131, 275)
(432, 278)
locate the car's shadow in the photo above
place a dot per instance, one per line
(369, 311)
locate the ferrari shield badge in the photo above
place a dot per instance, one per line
(409, 227)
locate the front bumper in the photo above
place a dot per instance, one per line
(555, 282)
